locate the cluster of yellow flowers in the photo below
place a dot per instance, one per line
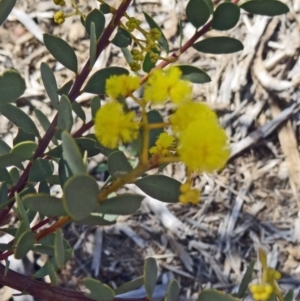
(59, 17)
(196, 138)
(268, 284)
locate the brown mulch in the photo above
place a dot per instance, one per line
(253, 202)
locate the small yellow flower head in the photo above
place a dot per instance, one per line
(162, 145)
(189, 112)
(189, 195)
(272, 274)
(59, 17)
(121, 85)
(112, 125)
(203, 146)
(167, 85)
(59, 2)
(261, 292)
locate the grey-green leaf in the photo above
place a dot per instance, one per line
(65, 118)
(65, 89)
(61, 51)
(266, 8)
(162, 40)
(96, 17)
(130, 286)
(19, 118)
(21, 152)
(150, 276)
(226, 16)
(93, 44)
(4, 148)
(6, 7)
(44, 204)
(23, 136)
(80, 196)
(194, 74)
(40, 170)
(148, 65)
(246, 280)
(118, 164)
(96, 84)
(5, 247)
(12, 85)
(22, 212)
(59, 249)
(76, 107)
(98, 290)
(3, 192)
(95, 105)
(197, 12)
(5, 178)
(24, 244)
(122, 38)
(123, 204)
(173, 290)
(289, 296)
(50, 84)
(72, 154)
(211, 294)
(160, 187)
(219, 45)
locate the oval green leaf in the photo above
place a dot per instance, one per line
(122, 38)
(118, 164)
(77, 108)
(96, 17)
(40, 170)
(211, 294)
(23, 136)
(6, 7)
(194, 74)
(246, 280)
(64, 171)
(130, 286)
(289, 296)
(219, 45)
(80, 196)
(50, 84)
(24, 244)
(95, 105)
(96, 83)
(19, 118)
(72, 154)
(24, 150)
(123, 204)
(59, 249)
(266, 8)
(93, 45)
(65, 89)
(65, 118)
(61, 51)
(148, 65)
(160, 187)
(150, 276)
(226, 16)
(197, 12)
(12, 85)
(173, 290)
(44, 204)
(98, 290)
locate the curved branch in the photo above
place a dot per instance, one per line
(45, 291)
